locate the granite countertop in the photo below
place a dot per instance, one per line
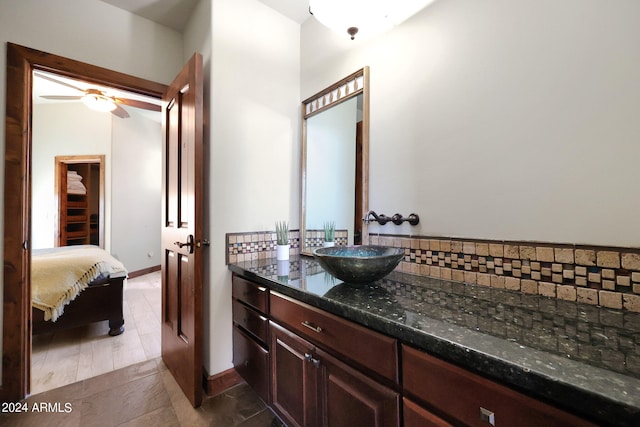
(579, 357)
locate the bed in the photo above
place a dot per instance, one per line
(76, 285)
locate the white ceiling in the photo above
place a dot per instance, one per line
(175, 13)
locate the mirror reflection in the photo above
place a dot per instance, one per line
(335, 141)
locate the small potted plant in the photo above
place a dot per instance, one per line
(329, 234)
(282, 237)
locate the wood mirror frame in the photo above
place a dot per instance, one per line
(343, 90)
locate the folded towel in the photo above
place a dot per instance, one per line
(73, 176)
(74, 183)
(76, 188)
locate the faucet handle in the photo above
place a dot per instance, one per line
(413, 219)
(397, 219)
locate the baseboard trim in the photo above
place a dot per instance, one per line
(216, 384)
(144, 271)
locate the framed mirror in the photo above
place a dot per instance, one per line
(335, 163)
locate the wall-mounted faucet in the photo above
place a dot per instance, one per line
(397, 219)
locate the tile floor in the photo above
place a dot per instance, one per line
(65, 357)
(83, 377)
(143, 394)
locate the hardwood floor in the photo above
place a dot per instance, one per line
(65, 357)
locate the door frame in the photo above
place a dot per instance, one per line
(21, 61)
(97, 159)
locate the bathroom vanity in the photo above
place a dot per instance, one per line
(416, 351)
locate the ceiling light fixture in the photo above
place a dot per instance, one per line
(98, 101)
(364, 17)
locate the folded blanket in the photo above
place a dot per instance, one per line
(59, 275)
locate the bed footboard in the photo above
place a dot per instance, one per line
(98, 302)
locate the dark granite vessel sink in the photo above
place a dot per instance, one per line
(359, 264)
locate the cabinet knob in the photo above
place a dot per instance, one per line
(309, 358)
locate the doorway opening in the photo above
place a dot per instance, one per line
(129, 158)
(79, 193)
(21, 62)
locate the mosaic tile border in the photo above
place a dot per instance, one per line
(315, 238)
(606, 276)
(257, 245)
(250, 246)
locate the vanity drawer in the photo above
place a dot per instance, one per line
(251, 320)
(250, 293)
(369, 349)
(417, 416)
(474, 400)
(251, 362)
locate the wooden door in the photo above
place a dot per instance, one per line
(294, 374)
(182, 230)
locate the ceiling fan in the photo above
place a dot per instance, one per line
(97, 99)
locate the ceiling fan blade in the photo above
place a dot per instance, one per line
(139, 104)
(61, 97)
(120, 112)
(60, 82)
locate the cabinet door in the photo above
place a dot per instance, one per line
(349, 398)
(294, 391)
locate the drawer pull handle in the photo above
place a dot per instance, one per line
(487, 416)
(306, 324)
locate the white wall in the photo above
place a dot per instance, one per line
(252, 137)
(136, 196)
(133, 176)
(499, 119)
(66, 129)
(89, 31)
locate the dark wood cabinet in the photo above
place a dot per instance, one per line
(310, 387)
(348, 398)
(294, 385)
(334, 375)
(371, 352)
(251, 334)
(415, 415)
(251, 361)
(316, 369)
(472, 400)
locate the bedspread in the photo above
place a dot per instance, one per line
(59, 275)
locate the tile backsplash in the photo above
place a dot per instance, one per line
(262, 244)
(257, 245)
(315, 238)
(605, 276)
(597, 275)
